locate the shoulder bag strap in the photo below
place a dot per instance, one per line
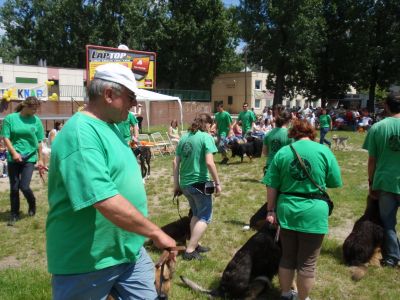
(305, 169)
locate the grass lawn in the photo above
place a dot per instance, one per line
(23, 270)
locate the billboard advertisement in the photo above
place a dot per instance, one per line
(142, 64)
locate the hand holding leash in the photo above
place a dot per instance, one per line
(163, 241)
(271, 217)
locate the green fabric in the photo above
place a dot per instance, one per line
(25, 134)
(325, 121)
(90, 162)
(125, 126)
(275, 140)
(247, 118)
(192, 150)
(223, 120)
(286, 175)
(383, 143)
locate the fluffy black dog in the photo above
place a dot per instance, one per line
(251, 268)
(179, 230)
(252, 148)
(143, 153)
(365, 240)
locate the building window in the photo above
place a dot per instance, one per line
(257, 103)
(25, 80)
(257, 85)
(230, 100)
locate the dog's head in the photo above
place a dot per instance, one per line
(164, 273)
(133, 144)
(334, 137)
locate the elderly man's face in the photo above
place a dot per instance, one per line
(121, 104)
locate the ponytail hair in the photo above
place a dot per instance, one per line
(31, 100)
(283, 118)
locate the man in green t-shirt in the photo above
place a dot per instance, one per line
(248, 118)
(129, 128)
(325, 124)
(97, 220)
(224, 127)
(383, 145)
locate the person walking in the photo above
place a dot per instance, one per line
(298, 205)
(325, 124)
(97, 220)
(383, 145)
(193, 160)
(129, 128)
(223, 122)
(23, 135)
(247, 117)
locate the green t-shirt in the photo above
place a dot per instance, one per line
(325, 121)
(25, 134)
(223, 120)
(275, 140)
(247, 118)
(90, 162)
(383, 143)
(286, 175)
(125, 126)
(192, 150)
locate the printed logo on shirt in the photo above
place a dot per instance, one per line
(297, 172)
(187, 149)
(394, 143)
(33, 129)
(275, 145)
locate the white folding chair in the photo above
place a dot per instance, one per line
(160, 143)
(171, 143)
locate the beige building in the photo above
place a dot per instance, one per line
(234, 88)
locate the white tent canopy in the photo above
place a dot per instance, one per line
(148, 96)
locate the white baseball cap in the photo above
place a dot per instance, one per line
(119, 74)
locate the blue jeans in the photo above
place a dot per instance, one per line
(323, 132)
(200, 203)
(388, 206)
(131, 281)
(20, 175)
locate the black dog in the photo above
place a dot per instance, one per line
(143, 153)
(363, 244)
(251, 268)
(257, 221)
(179, 230)
(252, 148)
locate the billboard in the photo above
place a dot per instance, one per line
(142, 64)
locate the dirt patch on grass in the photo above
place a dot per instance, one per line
(341, 232)
(9, 262)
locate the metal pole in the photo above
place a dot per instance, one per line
(245, 75)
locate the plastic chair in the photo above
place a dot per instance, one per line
(171, 143)
(161, 144)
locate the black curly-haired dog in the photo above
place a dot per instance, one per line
(251, 269)
(362, 246)
(252, 148)
(143, 154)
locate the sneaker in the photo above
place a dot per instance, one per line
(389, 262)
(192, 256)
(13, 220)
(224, 161)
(292, 296)
(202, 249)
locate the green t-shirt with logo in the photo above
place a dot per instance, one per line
(286, 175)
(125, 126)
(223, 120)
(25, 134)
(192, 150)
(325, 121)
(275, 140)
(90, 162)
(247, 118)
(383, 143)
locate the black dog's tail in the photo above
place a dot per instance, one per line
(195, 287)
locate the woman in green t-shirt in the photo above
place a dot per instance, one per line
(303, 217)
(325, 124)
(193, 160)
(23, 133)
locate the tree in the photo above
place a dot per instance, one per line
(284, 35)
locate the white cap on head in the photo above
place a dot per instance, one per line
(119, 74)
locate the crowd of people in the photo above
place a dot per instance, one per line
(98, 214)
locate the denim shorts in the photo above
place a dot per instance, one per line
(131, 281)
(200, 203)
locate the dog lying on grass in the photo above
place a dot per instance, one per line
(252, 148)
(251, 269)
(362, 246)
(179, 230)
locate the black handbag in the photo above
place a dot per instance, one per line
(207, 188)
(324, 196)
